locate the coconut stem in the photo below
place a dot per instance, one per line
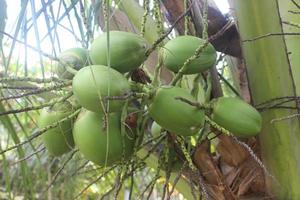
(216, 126)
(157, 15)
(157, 72)
(165, 35)
(144, 18)
(193, 167)
(29, 108)
(37, 91)
(29, 79)
(195, 89)
(70, 69)
(40, 132)
(195, 104)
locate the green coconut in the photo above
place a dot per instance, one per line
(237, 116)
(178, 50)
(101, 142)
(127, 50)
(155, 129)
(92, 84)
(174, 115)
(58, 140)
(74, 58)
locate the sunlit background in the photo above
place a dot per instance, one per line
(37, 36)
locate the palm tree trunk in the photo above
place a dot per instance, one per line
(271, 61)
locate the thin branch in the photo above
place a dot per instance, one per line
(37, 91)
(29, 108)
(277, 99)
(193, 103)
(123, 97)
(152, 140)
(268, 35)
(79, 168)
(192, 186)
(108, 192)
(291, 24)
(131, 184)
(284, 118)
(29, 46)
(95, 181)
(193, 167)
(229, 85)
(60, 170)
(88, 171)
(177, 178)
(9, 87)
(141, 196)
(296, 4)
(153, 148)
(39, 133)
(29, 79)
(294, 12)
(277, 105)
(29, 156)
(159, 40)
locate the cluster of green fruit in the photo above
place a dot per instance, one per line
(98, 132)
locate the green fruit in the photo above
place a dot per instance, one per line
(58, 140)
(174, 115)
(100, 142)
(155, 129)
(238, 117)
(178, 50)
(75, 58)
(93, 83)
(127, 50)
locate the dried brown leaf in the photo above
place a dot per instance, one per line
(232, 153)
(211, 172)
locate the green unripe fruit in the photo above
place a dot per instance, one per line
(238, 117)
(175, 115)
(93, 83)
(127, 50)
(75, 58)
(155, 129)
(178, 50)
(102, 143)
(58, 140)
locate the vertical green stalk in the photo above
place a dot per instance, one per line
(106, 8)
(27, 183)
(6, 173)
(186, 18)
(144, 18)
(205, 20)
(272, 73)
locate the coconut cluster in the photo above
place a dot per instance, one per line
(101, 87)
